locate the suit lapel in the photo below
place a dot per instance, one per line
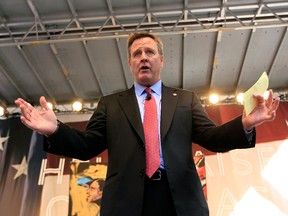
(169, 102)
(129, 104)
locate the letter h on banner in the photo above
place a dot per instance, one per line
(44, 171)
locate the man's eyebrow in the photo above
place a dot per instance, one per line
(136, 50)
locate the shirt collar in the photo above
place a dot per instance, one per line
(156, 88)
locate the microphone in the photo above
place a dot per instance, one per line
(148, 93)
(148, 97)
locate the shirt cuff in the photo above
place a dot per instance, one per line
(58, 123)
(249, 135)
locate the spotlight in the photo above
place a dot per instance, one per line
(266, 95)
(240, 98)
(77, 106)
(50, 105)
(214, 98)
(2, 111)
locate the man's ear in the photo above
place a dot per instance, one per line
(162, 60)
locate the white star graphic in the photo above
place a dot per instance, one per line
(21, 168)
(2, 139)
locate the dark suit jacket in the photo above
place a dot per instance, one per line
(116, 126)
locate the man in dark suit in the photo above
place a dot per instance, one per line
(116, 125)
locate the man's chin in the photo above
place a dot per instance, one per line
(145, 81)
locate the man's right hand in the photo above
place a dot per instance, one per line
(43, 121)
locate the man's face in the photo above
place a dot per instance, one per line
(145, 62)
(93, 193)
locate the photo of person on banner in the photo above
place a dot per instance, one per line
(86, 188)
(95, 190)
(136, 184)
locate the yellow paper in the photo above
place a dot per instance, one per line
(259, 88)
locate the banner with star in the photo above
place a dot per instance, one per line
(20, 193)
(32, 182)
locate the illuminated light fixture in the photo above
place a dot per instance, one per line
(50, 105)
(2, 111)
(77, 106)
(240, 98)
(266, 95)
(214, 98)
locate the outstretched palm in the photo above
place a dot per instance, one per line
(43, 121)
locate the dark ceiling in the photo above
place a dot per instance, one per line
(76, 49)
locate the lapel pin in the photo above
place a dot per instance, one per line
(174, 94)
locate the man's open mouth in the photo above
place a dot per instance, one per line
(145, 68)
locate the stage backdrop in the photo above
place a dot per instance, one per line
(240, 182)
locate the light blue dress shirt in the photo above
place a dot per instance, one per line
(157, 94)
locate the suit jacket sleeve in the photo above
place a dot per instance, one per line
(228, 136)
(73, 143)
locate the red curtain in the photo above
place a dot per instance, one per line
(269, 131)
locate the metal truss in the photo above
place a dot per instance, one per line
(115, 25)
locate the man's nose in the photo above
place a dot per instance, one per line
(144, 57)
